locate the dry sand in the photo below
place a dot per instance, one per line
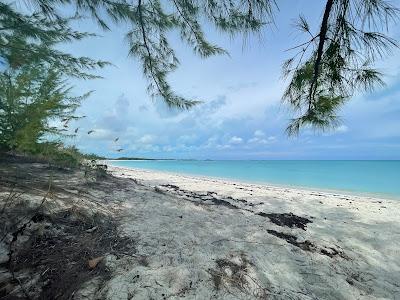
(218, 239)
(184, 237)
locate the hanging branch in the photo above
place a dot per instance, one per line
(322, 38)
(350, 40)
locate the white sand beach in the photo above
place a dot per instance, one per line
(153, 235)
(218, 239)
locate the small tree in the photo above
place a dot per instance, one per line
(34, 94)
(33, 98)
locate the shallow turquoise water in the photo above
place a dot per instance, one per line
(371, 177)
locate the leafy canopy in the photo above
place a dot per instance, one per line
(149, 23)
(30, 39)
(336, 61)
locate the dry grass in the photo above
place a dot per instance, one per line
(56, 254)
(49, 242)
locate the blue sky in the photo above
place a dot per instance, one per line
(242, 116)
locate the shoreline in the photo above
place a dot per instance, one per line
(348, 245)
(152, 235)
(332, 192)
(299, 200)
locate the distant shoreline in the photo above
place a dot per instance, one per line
(331, 191)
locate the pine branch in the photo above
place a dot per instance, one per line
(322, 39)
(150, 59)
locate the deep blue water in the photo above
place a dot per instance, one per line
(371, 177)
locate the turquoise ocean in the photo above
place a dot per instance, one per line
(375, 177)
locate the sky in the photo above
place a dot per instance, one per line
(242, 115)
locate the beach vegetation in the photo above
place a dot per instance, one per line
(36, 106)
(337, 61)
(34, 97)
(37, 101)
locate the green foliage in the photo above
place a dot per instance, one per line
(33, 98)
(337, 61)
(71, 157)
(57, 154)
(92, 156)
(30, 39)
(150, 24)
(36, 102)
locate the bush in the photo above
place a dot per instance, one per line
(94, 171)
(55, 154)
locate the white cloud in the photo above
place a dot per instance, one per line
(235, 140)
(338, 130)
(259, 133)
(259, 138)
(146, 139)
(223, 147)
(253, 140)
(101, 134)
(188, 138)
